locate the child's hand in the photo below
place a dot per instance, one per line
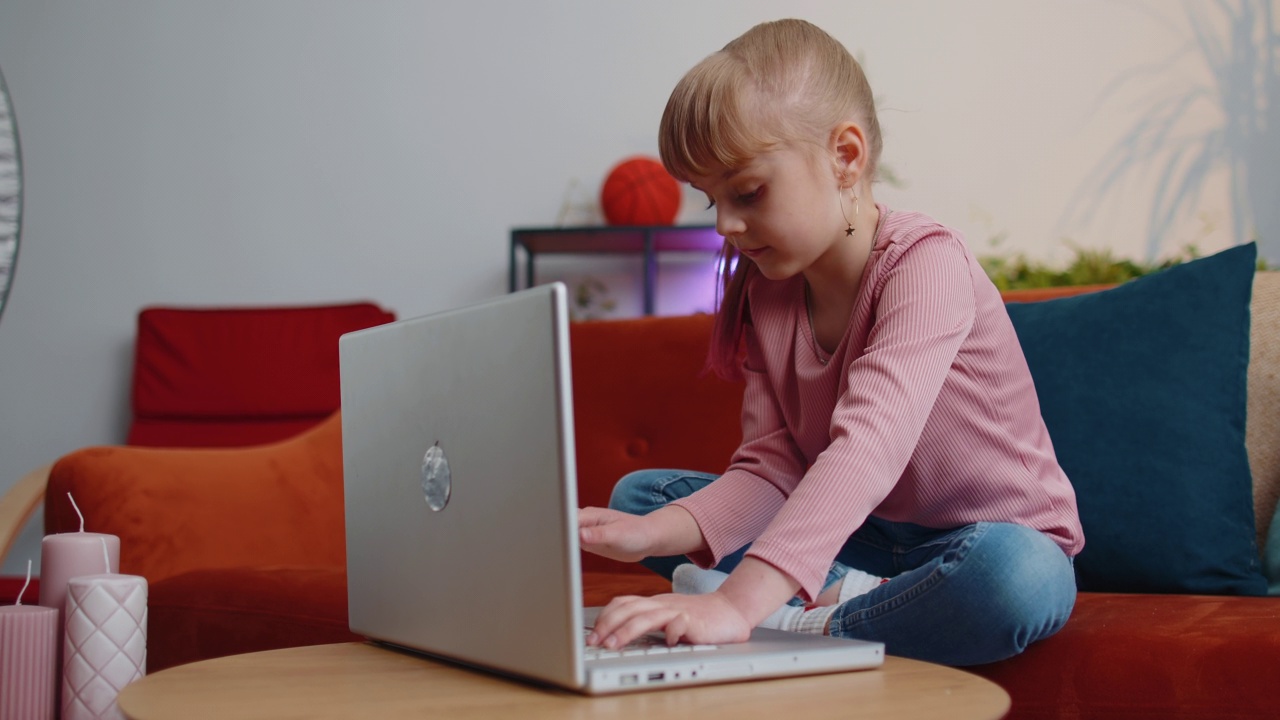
(615, 535)
(709, 619)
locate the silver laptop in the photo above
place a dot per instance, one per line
(461, 508)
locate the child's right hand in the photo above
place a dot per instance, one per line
(615, 535)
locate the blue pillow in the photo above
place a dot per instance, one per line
(1143, 389)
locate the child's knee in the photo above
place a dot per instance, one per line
(643, 491)
(638, 493)
(1031, 590)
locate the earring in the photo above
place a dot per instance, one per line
(849, 230)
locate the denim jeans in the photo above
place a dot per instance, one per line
(958, 596)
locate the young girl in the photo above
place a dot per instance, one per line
(895, 480)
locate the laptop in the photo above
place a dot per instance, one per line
(461, 508)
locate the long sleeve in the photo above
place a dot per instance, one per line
(925, 413)
(737, 507)
(924, 314)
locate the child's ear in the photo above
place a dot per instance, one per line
(849, 147)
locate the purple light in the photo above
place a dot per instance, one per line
(689, 285)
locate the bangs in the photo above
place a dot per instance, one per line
(705, 125)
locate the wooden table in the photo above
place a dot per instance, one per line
(356, 680)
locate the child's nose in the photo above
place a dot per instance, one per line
(728, 223)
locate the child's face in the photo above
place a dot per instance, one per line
(781, 209)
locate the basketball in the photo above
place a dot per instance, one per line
(639, 191)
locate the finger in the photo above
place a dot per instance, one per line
(610, 617)
(593, 524)
(592, 516)
(676, 629)
(647, 619)
(630, 618)
(601, 540)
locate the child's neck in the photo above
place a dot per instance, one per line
(833, 285)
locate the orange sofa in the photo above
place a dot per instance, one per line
(244, 548)
(216, 377)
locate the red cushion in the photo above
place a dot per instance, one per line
(214, 613)
(221, 433)
(1150, 656)
(1120, 656)
(639, 391)
(11, 586)
(178, 510)
(200, 375)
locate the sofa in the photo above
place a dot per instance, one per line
(244, 548)
(216, 377)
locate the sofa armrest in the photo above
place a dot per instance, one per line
(18, 505)
(177, 510)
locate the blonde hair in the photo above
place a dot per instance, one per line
(779, 83)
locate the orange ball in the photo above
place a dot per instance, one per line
(639, 191)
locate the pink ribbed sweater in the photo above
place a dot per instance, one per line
(925, 413)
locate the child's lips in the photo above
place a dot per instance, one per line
(753, 252)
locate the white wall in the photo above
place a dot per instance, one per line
(243, 152)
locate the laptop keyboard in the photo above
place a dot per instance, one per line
(651, 644)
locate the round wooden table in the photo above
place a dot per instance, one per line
(358, 680)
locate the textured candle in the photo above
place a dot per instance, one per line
(28, 636)
(106, 643)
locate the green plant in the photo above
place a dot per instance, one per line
(1086, 267)
(591, 300)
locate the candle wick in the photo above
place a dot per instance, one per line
(106, 557)
(77, 509)
(25, 584)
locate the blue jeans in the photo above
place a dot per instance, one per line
(960, 596)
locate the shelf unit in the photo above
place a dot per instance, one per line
(650, 242)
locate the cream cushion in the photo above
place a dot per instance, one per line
(1262, 428)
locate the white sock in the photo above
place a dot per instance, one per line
(855, 583)
(794, 618)
(814, 620)
(689, 579)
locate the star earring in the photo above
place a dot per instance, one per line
(849, 230)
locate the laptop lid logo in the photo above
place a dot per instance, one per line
(436, 480)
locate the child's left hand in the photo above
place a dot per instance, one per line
(708, 619)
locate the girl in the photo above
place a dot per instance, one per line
(889, 420)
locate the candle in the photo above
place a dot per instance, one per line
(67, 555)
(28, 637)
(106, 643)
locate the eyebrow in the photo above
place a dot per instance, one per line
(726, 175)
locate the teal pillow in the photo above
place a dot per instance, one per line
(1143, 389)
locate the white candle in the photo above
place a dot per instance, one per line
(106, 643)
(28, 636)
(67, 555)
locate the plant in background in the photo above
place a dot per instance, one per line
(591, 300)
(1237, 43)
(1086, 267)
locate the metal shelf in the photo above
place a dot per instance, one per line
(647, 241)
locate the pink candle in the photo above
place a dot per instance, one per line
(106, 643)
(28, 637)
(67, 555)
